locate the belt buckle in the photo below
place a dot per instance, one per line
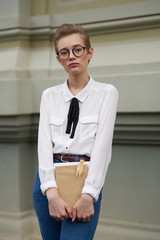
(62, 158)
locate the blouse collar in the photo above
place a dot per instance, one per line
(81, 96)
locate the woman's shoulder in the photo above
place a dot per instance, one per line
(53, 89)
(105, 87)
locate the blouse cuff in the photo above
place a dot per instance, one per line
(94, 192)
(45, 186)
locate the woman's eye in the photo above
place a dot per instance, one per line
(78, 49)
(64, 53)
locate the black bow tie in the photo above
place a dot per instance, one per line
(73, 116)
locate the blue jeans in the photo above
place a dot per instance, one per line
(51, 229)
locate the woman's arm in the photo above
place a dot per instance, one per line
(101, 153)
(45, 146)
(100, 158)
(57, 207)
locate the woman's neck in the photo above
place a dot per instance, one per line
(77, 83)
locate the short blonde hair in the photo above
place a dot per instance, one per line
(68, 29)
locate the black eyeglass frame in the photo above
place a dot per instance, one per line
(72, 52)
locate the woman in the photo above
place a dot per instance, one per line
(63, 136)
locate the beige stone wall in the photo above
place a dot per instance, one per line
(125, 36)
(67, 6)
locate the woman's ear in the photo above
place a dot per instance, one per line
(58, 59)
(90, 53)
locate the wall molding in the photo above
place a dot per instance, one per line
(130, 128)
(63, 3)
(19, 128)
(137, 128)
(16, 225)
(93, 28)
(96, 21)
(118, 229)
(125, 69)
(129, 224)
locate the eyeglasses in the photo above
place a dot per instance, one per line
(65, 53)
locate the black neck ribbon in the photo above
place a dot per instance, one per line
(73, 116)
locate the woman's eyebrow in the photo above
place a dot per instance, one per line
(75, 45)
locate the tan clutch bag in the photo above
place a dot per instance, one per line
(70, 181)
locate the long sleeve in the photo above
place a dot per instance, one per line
(45, 146)
(101, 152)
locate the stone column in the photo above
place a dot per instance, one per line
(17, 164)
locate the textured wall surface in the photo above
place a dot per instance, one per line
(125, 36)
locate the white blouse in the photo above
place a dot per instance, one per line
(93, 135)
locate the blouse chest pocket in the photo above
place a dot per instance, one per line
(56, 124)
(88, 127)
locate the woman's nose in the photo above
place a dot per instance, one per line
(71, 55)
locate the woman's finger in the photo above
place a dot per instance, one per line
(74, 214)
(69, 212)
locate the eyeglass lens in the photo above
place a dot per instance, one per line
(77, 51)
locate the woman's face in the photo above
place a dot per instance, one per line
(74, 65)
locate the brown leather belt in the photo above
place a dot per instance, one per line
(70, 157)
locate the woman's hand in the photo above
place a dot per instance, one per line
(83, 209)
(57, 207)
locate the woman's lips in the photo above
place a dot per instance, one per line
(73, 64)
